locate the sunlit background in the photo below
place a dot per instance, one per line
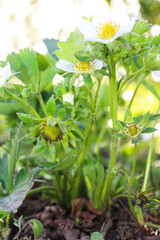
(24, 23)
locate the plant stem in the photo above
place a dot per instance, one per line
(114, 146)
(25, 103)
(65, 199)
(113, 91)
(8, 220)
(131, 180)
(42, 103)
(108, 182)
(148, 164)
(142, 78)
(84, 151)
(59, 190)
(128, 78)
(43, 188)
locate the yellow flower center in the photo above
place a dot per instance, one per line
(84, 66)
(107, 30)
(133, 130)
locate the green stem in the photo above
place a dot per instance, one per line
(42, 103)
(86, 140)
(113, 91)
(59, 190)
(108, 182)
(128, 78)
(43, 188)
(151, 225)
(148, 167)
(8, 220)
(25, 103)
(65, 200)
(114, 146)
(131, 180)
(142, 78)
(84, 151)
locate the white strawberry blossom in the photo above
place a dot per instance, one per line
(80, 67)
(107, 28)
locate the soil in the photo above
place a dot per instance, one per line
(82, 221)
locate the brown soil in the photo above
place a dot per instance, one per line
(83, 220)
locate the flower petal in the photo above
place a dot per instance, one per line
(68, 98)
(98, 64)
(65, 66)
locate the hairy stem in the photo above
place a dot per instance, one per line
(84, 151)
(131, 180)
(141, 79)
(25, 103)
(40, 189)
(148, 167)
(42, 103)
(114, 145)
(128, 78)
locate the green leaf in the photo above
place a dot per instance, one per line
(62, 127)
(155, 41)
(39, 148)
(96, 236)
(118, 124)
(145, 118)
(26, 118)
(119, 135)
(61, 114)
(137, 119)
(149, 130)
(152, 89)
(70, 47)
(69, 121)
(51, 122)
(65, 164)
(30, 61)
(4, 172)
(129, 117)
(42, 62)
(83, 56)
(13, 155)
(51, 45)
(141, 27)
(26, 67)
(87, 80)
(77, 134)
(46, 78)
(31, 137)
(138, 63)
(51, 106)
(37, 227)
(19, 67)
(134, 141)
(23, 184)
(154, 117)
